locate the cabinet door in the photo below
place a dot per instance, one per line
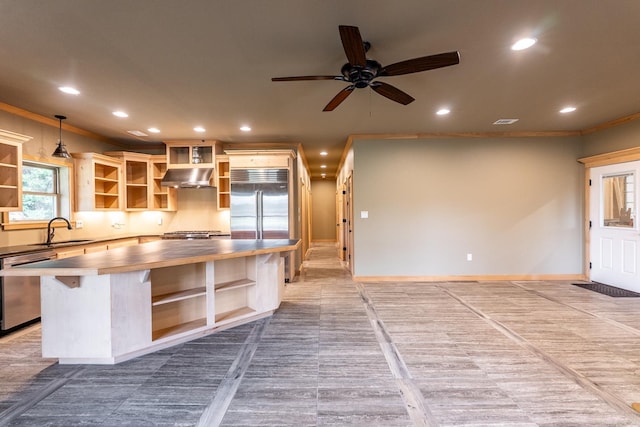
(188, 154)
(259, 161)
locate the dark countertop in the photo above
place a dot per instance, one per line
(34, 247)
(161, 253)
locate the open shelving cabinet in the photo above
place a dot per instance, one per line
(164, 198)
(223, 182)
(235, 288)
(190, 297)
(136, 184)
(11, 170)
(99, 182)
(179, 298)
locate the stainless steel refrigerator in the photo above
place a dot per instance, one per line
(259, 203)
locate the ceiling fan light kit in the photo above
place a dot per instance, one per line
(361, 72)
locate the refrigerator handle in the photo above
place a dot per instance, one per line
(259, 224)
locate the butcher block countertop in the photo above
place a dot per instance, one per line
(161, 253)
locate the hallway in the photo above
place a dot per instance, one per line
(344, 353)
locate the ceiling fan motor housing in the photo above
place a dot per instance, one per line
(360, 71)
(361, 76)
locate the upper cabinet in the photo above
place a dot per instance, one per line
(251, 159)
(136, 180)
(223, 182)
(163, 198)
(190, 154)
(142, 176)
(99, 182)
(11, 170)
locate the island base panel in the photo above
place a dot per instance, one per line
(104, 316)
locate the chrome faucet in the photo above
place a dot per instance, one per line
(51, 233)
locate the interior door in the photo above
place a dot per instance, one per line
(615, 234)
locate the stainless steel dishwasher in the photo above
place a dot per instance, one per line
(20, 296)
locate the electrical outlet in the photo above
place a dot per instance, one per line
(159, 219)
(79, 223)
(469, 257)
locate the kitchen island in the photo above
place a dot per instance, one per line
(108, 307)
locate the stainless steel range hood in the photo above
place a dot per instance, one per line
(187, 178)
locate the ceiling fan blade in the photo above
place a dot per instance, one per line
(341, 96)
(301, 78)
(424, 63)
(392, 92)
(353, 46)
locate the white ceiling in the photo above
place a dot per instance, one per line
(177, 64)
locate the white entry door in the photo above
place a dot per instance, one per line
(615, 232)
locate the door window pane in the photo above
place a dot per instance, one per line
(618, 204)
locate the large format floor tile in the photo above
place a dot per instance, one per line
(376, 354)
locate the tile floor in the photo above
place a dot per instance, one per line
(377, 354)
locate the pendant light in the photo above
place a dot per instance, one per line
(61, 150)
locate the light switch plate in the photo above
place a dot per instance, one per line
(364, 214)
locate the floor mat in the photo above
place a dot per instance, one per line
(611, 291)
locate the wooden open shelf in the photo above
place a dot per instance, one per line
(178, 299)
(178, 329)
(136, 183)
(210, 294)
(162, 198)
(10, 176)
(98, 182)
(234, 314)
(234, 284)
(223, 182)
(178, 296)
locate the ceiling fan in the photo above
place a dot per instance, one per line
(361, 72)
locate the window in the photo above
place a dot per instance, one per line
(40, 193)
(619, 200)
(46, 193)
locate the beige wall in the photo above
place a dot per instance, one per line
(612, 139)
(323, 193)
(515, 204)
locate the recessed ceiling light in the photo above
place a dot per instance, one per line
(323, 175)
(505, 121)
(523, 44)
(121, 114)
(443, 111)
(137, 133)
(70, 90)
(568, 110)
(323, 166)
(154, 130)
(245, 128)
(199, 129)
(323, 153)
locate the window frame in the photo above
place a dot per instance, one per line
(66, 189)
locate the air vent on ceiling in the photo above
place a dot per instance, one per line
(505, 121)
(137, 133)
